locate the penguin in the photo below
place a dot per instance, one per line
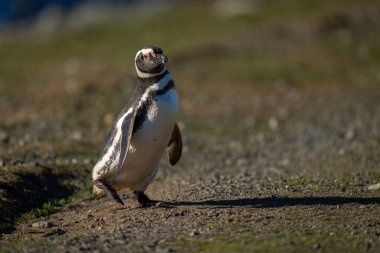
(144, 129)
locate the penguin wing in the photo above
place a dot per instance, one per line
(174, 147)
(126, 129)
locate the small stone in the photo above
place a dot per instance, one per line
(42, 224)
(284, 162)
(374, 186)
(167, 250)
(21, 143)
(119, 241)
(4, 137)
(228, 161)
(349, 134)
(54, 232)
(76, 135)
(194, 233)
(160, 204)
(273, 123)
(317, 246)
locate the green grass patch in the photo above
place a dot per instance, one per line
(282, 242)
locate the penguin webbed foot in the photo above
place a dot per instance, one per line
(110, 190)
(144, 201)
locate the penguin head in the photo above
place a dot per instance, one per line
(150, 61)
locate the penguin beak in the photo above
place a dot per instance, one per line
(162, 57)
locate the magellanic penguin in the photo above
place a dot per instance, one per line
(141, 133)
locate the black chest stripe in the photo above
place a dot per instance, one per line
(142, 113)
(170, 85)
(145, 106)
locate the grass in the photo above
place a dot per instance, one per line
(284, 242)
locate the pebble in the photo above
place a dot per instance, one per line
(349, 135)
(374, 186)
(168, 250)
(194, 233)
(42, 224)
(160, 204)
(54, 232)
(4, 137)
(273, 123)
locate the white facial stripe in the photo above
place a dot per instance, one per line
(148, 75)
(137, 54)
(148, 51)
(145, 51)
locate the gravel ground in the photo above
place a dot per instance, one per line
(301, 183)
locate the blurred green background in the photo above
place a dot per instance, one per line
(74, 65)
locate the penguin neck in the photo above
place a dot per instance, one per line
(144, 75)
(157, 80)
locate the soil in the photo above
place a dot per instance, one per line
(244, 189)
(280, 130)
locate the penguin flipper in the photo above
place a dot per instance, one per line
(126, 135)
(174, 147)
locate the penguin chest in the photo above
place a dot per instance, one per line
(157, 125)
(149, 142)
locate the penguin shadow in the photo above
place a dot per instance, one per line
(274, 202)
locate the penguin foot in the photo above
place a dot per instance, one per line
(144, 201)
(110, 190)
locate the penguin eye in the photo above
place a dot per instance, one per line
(145, 56)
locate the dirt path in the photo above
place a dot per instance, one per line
(209, 215)
(227, 196)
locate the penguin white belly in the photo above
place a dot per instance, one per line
(149, 143)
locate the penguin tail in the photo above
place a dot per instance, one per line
(101, 188)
